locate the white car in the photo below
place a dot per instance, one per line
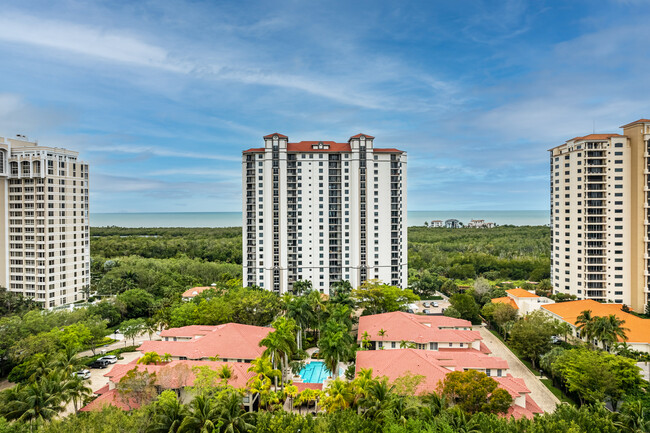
(110, 358)
(84, 374)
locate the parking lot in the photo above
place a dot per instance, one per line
(431, 306)
(97, 379)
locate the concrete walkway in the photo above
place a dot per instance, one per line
(538, 391)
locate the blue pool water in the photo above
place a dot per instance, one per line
(314, 372)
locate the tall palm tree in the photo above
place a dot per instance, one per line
(406, 345)
(76, 391)
(203, 416)
(168, 414)
(378, 400)
(34, 402)
(300, 310)
(232, 417)
(280, 344)
(339, 395)
(613, 330)
(335, 344)
(585, 323)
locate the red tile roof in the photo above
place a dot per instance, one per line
(303, 386)
(387, 150)
(505, 300)
(102, 390)
(307, 146)
(596, 137)
(416, 328)
(188, 331)
(109, 398)
(359, 135)
(521, 293)
(257, 149)
(194, 291)
(178, 374)
(639, 329)
(635, 122)
(275, 133)
(433, 365)
(228, 341)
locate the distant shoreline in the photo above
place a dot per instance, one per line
(234, 219)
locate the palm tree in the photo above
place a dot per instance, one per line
(300, 310)
(225, 372)
(612, 330)
(334, 345)
(406, 345)
(261, 382)
(365, 340)
(381, 333)
(168, 414)
(339, 395)
(232, 417)
(379, 395)
(75, 390)
(585, 323)
(150, 358)
(435, 405)
(34, 402)
(203, 416)
(280, 344)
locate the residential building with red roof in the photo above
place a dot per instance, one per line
(390, 330)
(434, 366)
(523, 301)
(194, 292)
(638, 333)
(174, 375)
(232, 342)
(323, 211)
(599, 216)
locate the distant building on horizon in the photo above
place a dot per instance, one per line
(600, 241)
(436, 223)
(323, 211)
(44, 233)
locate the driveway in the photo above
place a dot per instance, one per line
(121, 343)
(98, 380)
(538, 391)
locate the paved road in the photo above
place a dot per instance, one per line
(119, 344)
(538, 391)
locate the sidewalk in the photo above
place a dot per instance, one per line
(538, 391)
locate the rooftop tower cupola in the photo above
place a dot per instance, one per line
(276, 141)
(361, 141)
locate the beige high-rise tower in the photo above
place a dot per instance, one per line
(600, 226)
(44, 243)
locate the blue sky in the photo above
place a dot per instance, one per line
(161, 97)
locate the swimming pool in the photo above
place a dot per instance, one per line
(314, 372)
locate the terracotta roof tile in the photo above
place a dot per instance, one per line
(521, 293)
(275, 133)
(387, 150)
(109, 398)
(505, 300)
(194, 291)
(596, 137)
(359, 135)
(639, 329)
(228, 341)
(256, 149)
(416, 328)
(308, 146)
(635, 122)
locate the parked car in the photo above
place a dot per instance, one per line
(84, 374)
(555, 339)
(426, 311)
(435, 305)
(100, 363)
(425, 304)
(110, 358)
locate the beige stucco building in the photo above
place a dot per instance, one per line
(599, 216)
(44, 243)
(325, 212)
